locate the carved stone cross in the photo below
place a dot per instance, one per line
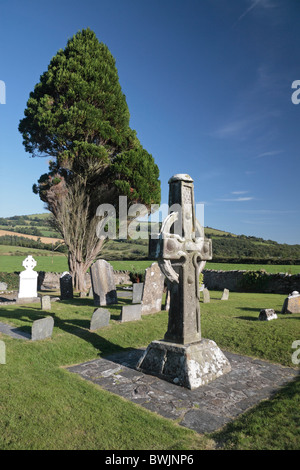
(183, 357)
(29, 263)
(182, 253)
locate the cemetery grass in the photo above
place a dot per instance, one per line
(44, 406)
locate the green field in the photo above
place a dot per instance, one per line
(56, 264)
(43, 406)
(11, 258)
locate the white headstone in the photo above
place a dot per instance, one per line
(28, 279)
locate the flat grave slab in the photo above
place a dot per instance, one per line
(204, 409)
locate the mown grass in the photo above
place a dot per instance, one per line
(43, 406)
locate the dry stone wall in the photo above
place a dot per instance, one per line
(50, 281)
(237, 281)
(234, 281)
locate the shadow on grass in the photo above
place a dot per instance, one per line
(75, 326)
(247, 318)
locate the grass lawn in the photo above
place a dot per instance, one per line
(43, 406)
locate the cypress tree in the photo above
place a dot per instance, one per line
(78, 116)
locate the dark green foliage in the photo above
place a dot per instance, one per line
(78, 116)
(250, 249)
(254, 281)
(16, 240)
(11, 279)
(137, 276)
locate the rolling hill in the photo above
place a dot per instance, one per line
(227, 247)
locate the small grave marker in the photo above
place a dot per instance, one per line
(100, 318)
(131, 312)
(42, 328)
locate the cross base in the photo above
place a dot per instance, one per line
(190, 365)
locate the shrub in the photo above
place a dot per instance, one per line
(254, 281)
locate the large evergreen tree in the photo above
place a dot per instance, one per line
(78, 116)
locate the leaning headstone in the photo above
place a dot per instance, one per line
(292, 303)
(28, 280)
(267, 314)
(100, 318)
(103, 283)
(131, 312)
(183, 356)
(225, 295)
(42, 329)
(45, 302)
(66, 286)
(137, 292)
(206, 296)
(2, 353)
(153, 290)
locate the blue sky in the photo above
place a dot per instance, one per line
(208, 85)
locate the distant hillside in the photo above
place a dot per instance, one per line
(35, 224)
(227, 247)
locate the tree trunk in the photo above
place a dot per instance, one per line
(78, 268)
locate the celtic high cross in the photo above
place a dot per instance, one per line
(182, 253)
(183, 357)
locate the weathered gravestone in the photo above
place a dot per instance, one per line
(28, 280)
(292, 303)
(183, 357)
(131, 312)
(3, 286)
(137, 292)
(42, 329)
(2, 353)
(267, 314)
(100, 318)
(225, 295)
(153, 290)
(206, 296)
(45, 302)
(66, 286)
(103, 283)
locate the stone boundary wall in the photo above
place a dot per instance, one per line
(281, 283)
(50, 281)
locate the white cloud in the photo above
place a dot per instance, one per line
(269, 154)
(237, 199)
(262, 4)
